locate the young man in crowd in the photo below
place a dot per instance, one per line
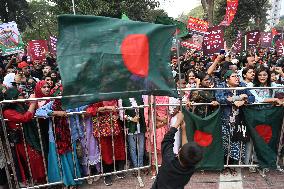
(248, 76)
(176, 171)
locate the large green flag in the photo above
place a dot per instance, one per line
(264, 127)
(181, 30)
(103, 58)
(206, 132)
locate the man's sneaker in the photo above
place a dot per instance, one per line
(108, 180)
(120, 175)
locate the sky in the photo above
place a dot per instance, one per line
(176, 7)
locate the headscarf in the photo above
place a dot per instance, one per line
(11, 94)
(38, 92)
(29, 128)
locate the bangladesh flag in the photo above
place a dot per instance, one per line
(264, 127)
(181, 30)
(103, 58)
(206, 132)
(275, 36)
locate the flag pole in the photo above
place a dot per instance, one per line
(245, 42)
(179, 71)
(73, 6)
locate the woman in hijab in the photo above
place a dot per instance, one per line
(22, 130)
(60, 144)
(42, 89)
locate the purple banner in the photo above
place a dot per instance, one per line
(265, 39)
(213, 40)
(253, 38)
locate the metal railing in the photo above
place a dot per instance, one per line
(11, 168)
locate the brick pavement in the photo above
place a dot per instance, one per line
(207, 180)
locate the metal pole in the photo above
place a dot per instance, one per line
(179, 72)
(8, 147)
(72, 146)
(245, 42)
(2, 150)
(42, 149)
(154, 126)
(73, 6)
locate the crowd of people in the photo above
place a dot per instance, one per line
(57, 146)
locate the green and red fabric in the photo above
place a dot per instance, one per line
(206, 132)
(181, 30)
(104, 58)
(275, 36)
(264, 127)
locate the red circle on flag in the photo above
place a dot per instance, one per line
(135, 54)
(203, 139)
(265, 132)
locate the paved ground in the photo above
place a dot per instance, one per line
(207, 180)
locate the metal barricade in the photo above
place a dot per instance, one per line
(11, 165)
(12, 168)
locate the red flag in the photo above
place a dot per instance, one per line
(275, 36)
(194, 43)
(274, 32)
(213, 40)
(196, 24)
(37, 49)
(231, 10)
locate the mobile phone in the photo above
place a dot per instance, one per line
(222, 51)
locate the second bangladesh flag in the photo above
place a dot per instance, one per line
(206, 132)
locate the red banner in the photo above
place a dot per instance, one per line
(231, 10)
(197, 24)
(237, 46)
(193, 43)
(213, 40)
(265, 39)
(253, 38)
(279, 46)
(37, 49)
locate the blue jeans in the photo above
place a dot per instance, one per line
(136, 148)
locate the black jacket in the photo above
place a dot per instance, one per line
(171, 174)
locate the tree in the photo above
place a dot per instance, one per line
(17, 11)
(197, 12)
(43, 13)
(208, 7)
(280, 25)
(43, 21)
(135, 10)
(153, 14)
(251, 14)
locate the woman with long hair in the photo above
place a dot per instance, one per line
(263, 79)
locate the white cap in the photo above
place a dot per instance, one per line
(235, 61)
